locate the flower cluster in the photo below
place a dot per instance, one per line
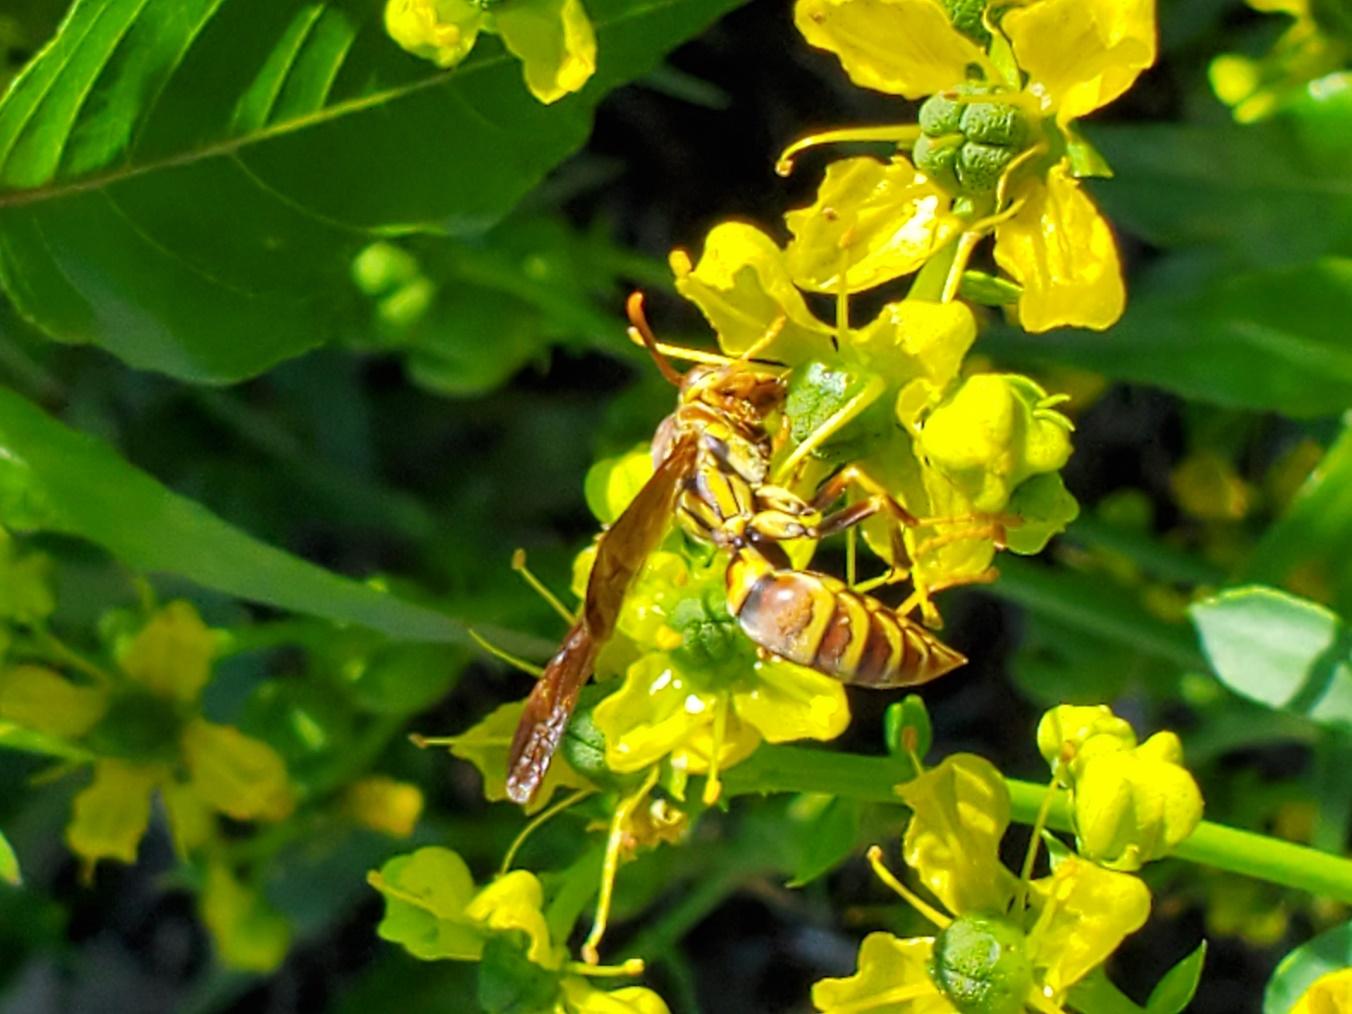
(1008, 943)
(434, 910)
(995, 151)
(553, 39)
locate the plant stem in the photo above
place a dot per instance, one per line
(871, 779)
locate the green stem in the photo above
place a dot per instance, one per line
(871, 779)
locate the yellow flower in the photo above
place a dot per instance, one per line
(999, 147)
(1130, 804)
(553, 39)
(699, 696)
(1330, 994)
(895, 373)
(992, 954)
(141, 727)
(434, 911)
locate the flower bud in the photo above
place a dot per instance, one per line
(1132, 805)
(991, 434)
(981, 965)
(1064, 729)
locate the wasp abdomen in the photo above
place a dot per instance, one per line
(816, 620)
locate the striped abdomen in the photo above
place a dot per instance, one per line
(817, 621)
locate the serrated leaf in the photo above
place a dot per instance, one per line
(1175, 990)
(1286, 652)
(294, 131)
(1331, 951)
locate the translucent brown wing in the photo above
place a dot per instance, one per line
(620, 555)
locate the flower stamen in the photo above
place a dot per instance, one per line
(875, 860)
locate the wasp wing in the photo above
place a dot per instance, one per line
(620, 555)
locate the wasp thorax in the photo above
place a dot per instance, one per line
(966, 144)
(981, 965)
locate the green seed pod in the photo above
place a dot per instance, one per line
(981, 965)
(979, 166)
(995, 123)
(940, 115)
(710, 636)
(966, 18)
(938, 161)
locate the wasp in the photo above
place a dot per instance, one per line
(713, 458)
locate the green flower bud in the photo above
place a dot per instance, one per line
(966, 18)
(981, 965)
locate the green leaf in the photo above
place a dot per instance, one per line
(1331, 951)
(56, 479)
(1258, 340)
(1309, 544)
(185, 182)
(827, 830)
(1275, 192)
(1097, 993)
(1286, 652)
(509, 982)
(1175, 991)
(9, 863)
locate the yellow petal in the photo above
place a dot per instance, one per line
(914, 338)
(1082, 54)
(787, 702)
(905, 47)
(1085, 912)
(40, 699)
(191, 822)
(960, 811)
(1064, 729)
(443, 31)
(874, 220)
(1329, 994)
(384, 804)
(581, 997)
(554, 41)
(1061, 250)
(238, 775)
(514, 901)
(485, 746)
(655, 711)
(111, 815)
(425, 897)
(171, 655)
(743, 287)
(893, 978)
(249, 934)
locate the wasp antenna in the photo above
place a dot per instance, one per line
(634, 307)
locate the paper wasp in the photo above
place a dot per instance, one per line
(713, 459)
